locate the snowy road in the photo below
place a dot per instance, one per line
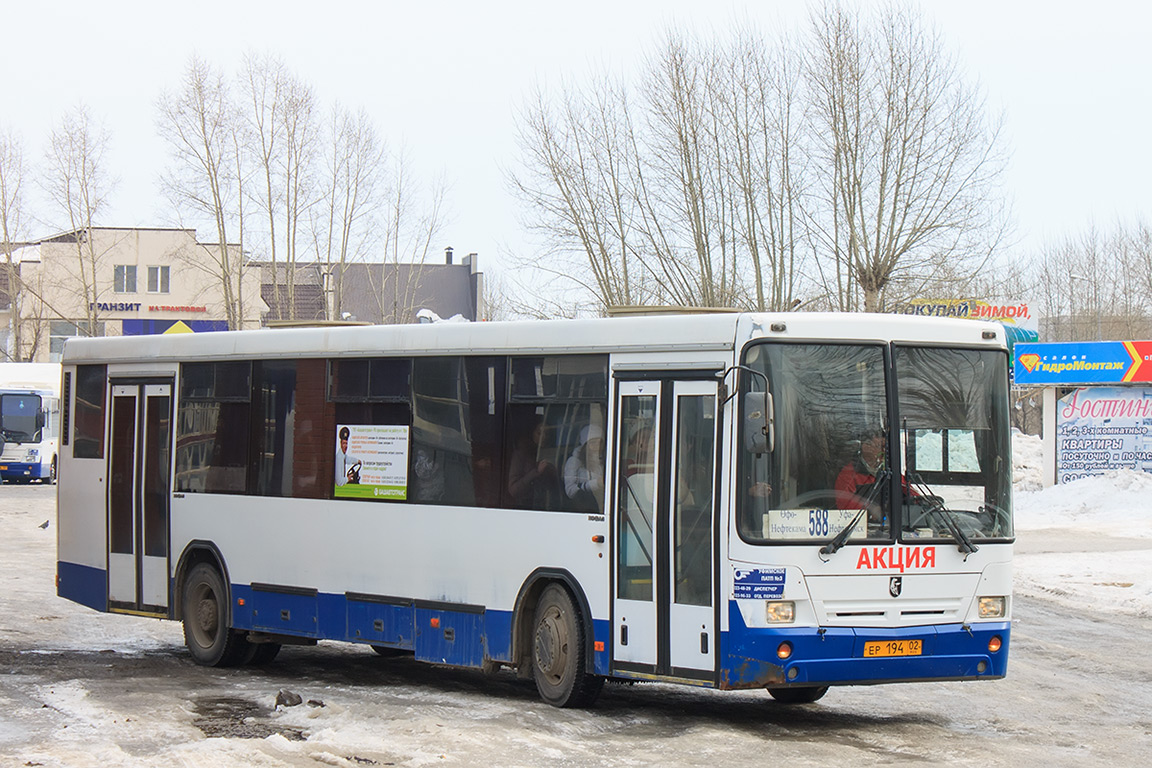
(79, 688)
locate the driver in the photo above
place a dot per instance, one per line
(858, 476)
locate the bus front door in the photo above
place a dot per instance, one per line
(138, 513)
(663, 617)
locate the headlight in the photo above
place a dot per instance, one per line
(992, 607)
(33, 455)
(781, 611)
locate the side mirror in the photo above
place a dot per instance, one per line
(759, 423)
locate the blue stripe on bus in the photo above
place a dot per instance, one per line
(835, 654)
(82, 584)
(439, 634)
(465, 637)
(16, 470)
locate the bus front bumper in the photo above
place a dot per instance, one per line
(19, 470)
(816, 656)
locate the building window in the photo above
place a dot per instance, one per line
(59, 330)
(124, 278)
(157, 279)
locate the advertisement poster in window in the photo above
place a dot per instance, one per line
(371, 462)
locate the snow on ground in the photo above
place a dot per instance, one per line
(1086, 542)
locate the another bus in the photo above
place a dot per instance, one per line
(29, 421)
(738, 501)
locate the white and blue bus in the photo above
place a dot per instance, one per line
(781, 502)
(29, 421)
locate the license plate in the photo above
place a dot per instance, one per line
(893, 648)
(3, 466)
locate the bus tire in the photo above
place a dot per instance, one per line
(798, 695)
(207, 635)
(558, 652)
(263, 653)
(388, 652)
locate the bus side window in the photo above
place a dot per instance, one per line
(88, 415)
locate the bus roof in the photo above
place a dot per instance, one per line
(688, 332)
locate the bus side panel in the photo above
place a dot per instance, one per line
(369, 566)
(381, 623)
(449, 637)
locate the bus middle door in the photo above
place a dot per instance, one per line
(663, 618)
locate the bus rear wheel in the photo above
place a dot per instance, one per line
(798, 695)
(558, 652)
(207, 635)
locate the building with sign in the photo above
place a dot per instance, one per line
(1097, 405)
(108, 281)
(374, 292)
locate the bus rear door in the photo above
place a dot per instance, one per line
(138, 496)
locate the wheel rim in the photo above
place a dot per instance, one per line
(205, 614)
(552, 643)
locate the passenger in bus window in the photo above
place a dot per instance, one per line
(347, 465)
(429, 468)
(530, 477)
(584, 471)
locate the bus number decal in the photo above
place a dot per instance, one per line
(818, 523)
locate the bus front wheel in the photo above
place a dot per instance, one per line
(207, 635)
(558, 652)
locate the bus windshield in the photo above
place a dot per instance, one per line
(20, 418)
(823, 464)
(954, 441)
(828, 460)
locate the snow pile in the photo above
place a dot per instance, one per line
(1115, 504)
(1089, 541)
(1027, 462)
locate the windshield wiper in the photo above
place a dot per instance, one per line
(841, 538)
(963, 543)
(838, 541)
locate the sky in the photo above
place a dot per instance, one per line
(445, 79)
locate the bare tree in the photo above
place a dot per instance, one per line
(1095, 284)
(688, 200)
(761, 98)
(78, 183)
(914, 162)
(581, 172)
(410, 221)
(281, 112)
(199, 123)
(264, 83)
(343, 220)
(11, 225)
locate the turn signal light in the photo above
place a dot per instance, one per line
(784, 650)
(994, 644)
